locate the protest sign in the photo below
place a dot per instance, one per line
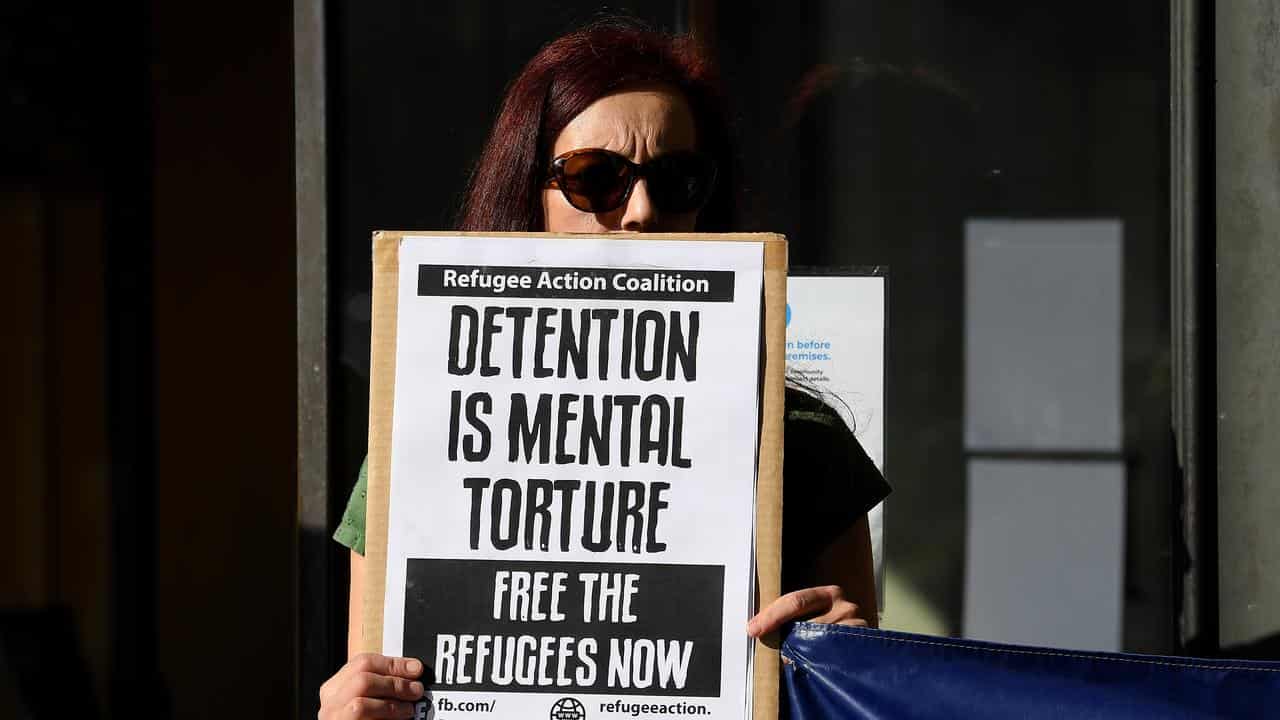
(574, 470)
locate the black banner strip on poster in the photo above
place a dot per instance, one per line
(565, 627)
(582, 283)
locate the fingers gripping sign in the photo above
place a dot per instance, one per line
(372, 686)
(824, 604)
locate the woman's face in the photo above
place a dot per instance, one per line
(640, 125)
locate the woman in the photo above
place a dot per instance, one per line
(617, 128)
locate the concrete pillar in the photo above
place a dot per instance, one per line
(1247, 119)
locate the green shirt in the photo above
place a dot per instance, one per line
(350, 531)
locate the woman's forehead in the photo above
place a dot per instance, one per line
(639, 123)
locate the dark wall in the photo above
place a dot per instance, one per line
(224, 356)
(873, 130)
(71, 106)
(146, 196)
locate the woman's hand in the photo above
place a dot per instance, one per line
(372, 686)
(824, 604)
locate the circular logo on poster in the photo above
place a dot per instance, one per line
(568, 709)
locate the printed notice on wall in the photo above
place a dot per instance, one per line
(573, 461)
(836, 323)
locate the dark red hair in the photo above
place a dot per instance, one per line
(566, 76)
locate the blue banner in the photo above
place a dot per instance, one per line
(842, 672)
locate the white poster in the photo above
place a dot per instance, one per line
(572, 475)
(836, 347)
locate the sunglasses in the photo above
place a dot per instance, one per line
(599, 181)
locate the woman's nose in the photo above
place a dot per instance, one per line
(640, 215)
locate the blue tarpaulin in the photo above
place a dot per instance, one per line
(834, 671)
